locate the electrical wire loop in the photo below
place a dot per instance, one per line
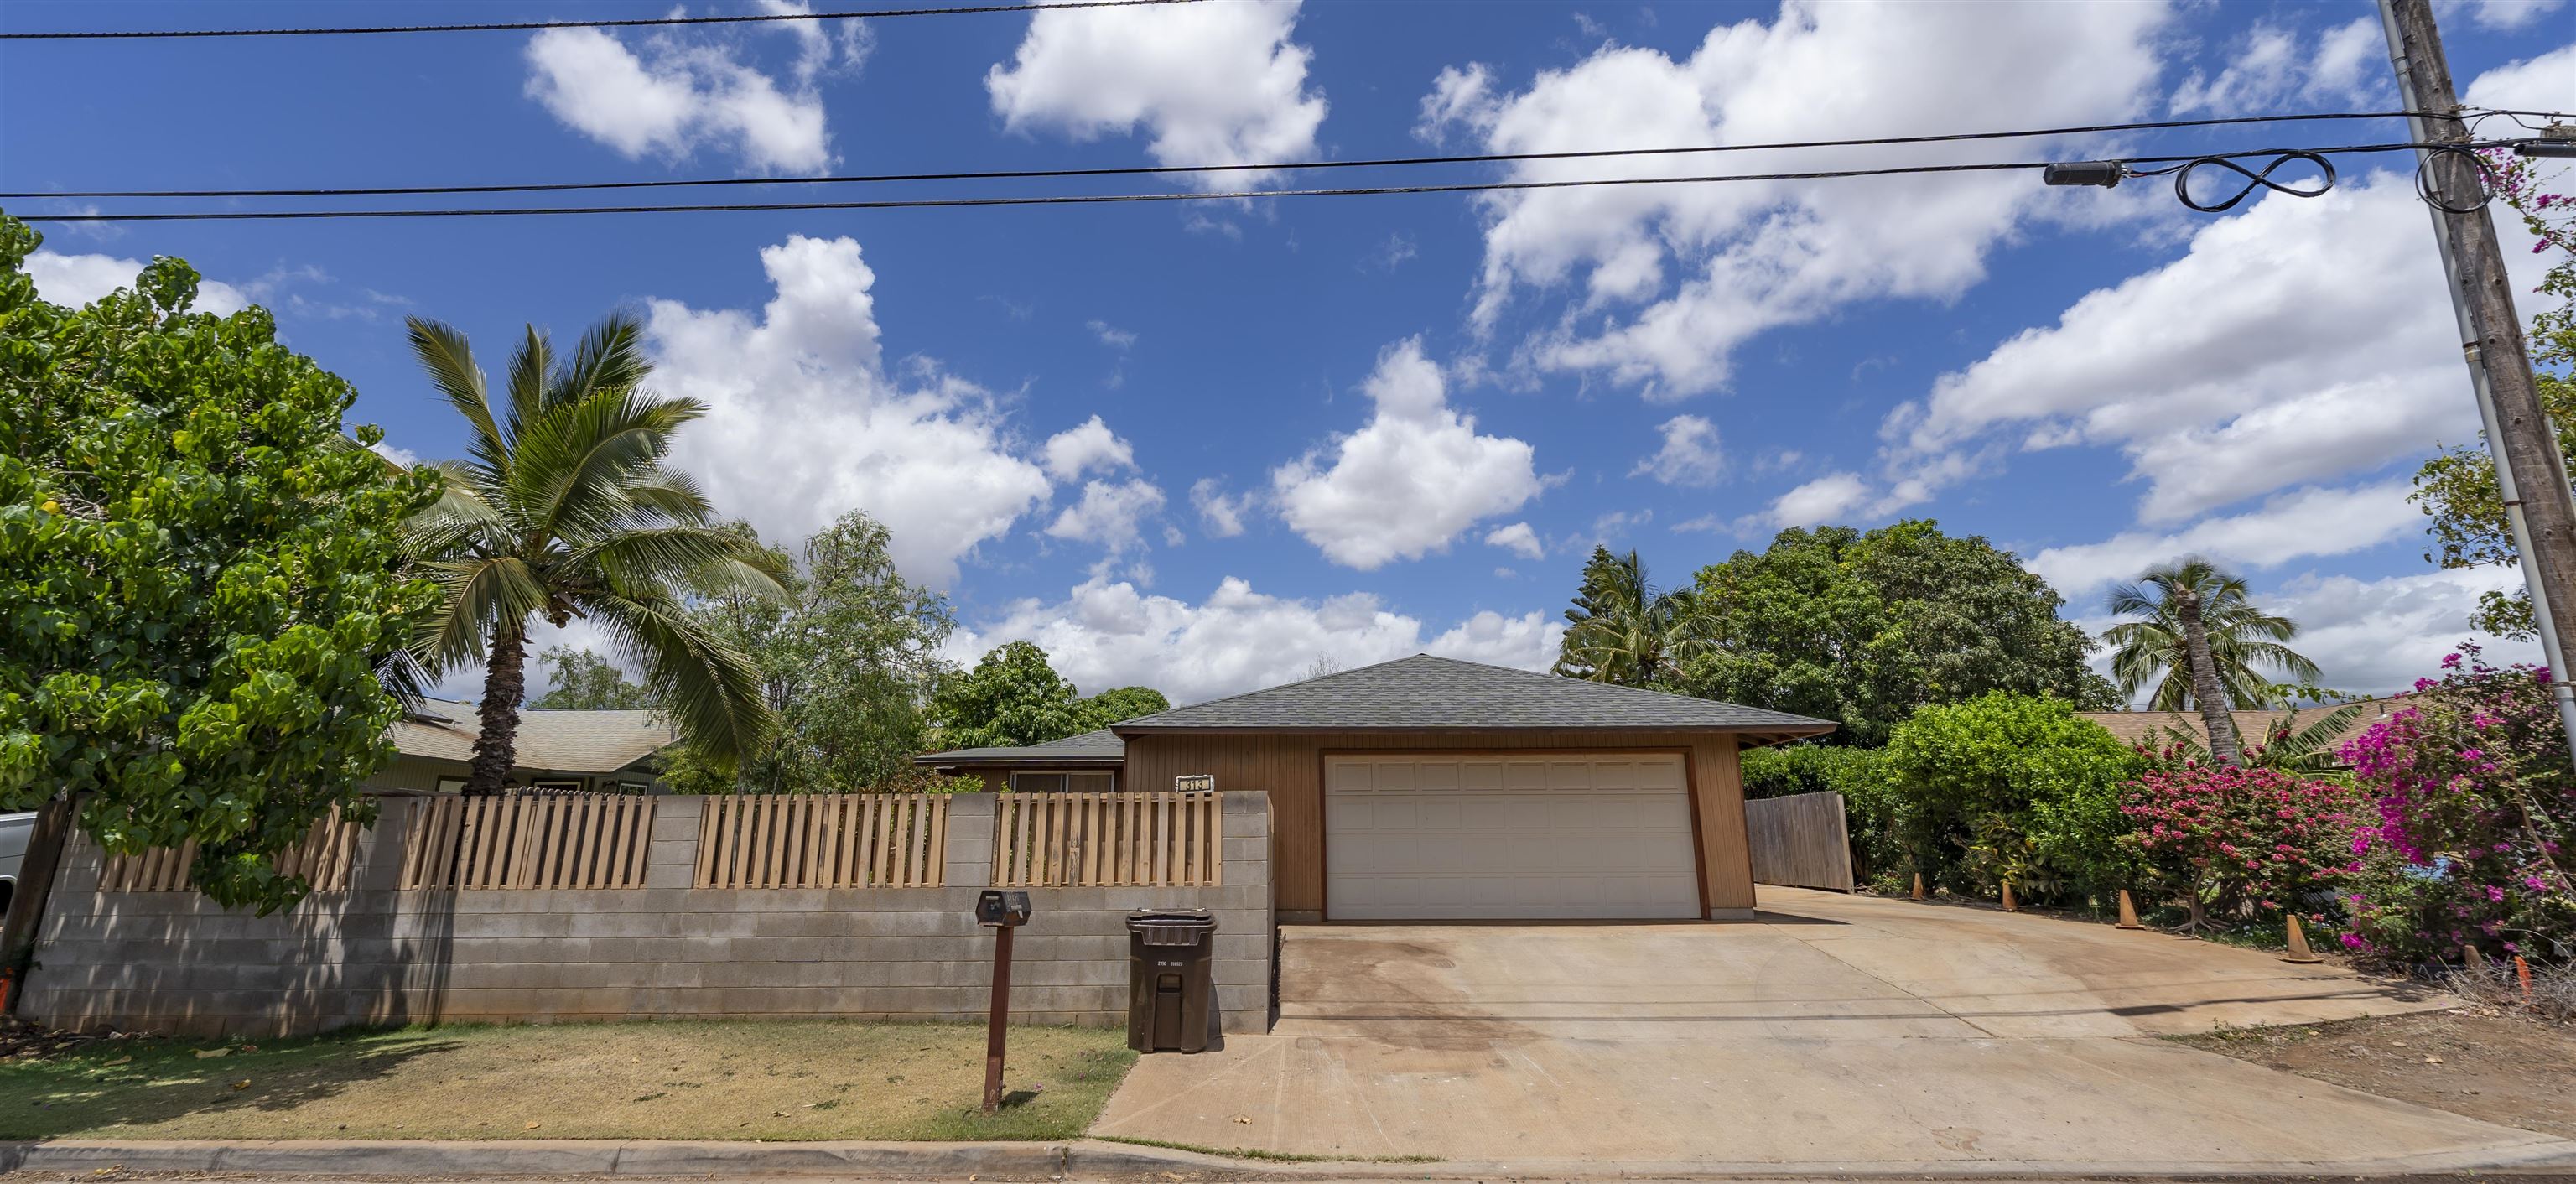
(2428, 186)
(2323, 182)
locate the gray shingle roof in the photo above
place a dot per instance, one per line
(1431, 693)
(1097, 748)
(556, 740)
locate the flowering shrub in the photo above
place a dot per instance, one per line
(2243, 843)
(2476, 804)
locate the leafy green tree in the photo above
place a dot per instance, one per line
(583, 679)
(1120, 704)
(2203, 645)
(847, 662)
(1624, 630)
(1013, 697)
(2457, 489)
(1862, 629)
(566, 510)
(199, 578)
(2013, 787)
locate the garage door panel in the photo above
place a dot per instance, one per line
(1509, 837)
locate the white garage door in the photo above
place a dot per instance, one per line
(1474, 836)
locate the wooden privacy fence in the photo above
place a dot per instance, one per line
(1083, 840)
(528, 841)
(323, 857)
(1800, 840)
(824, 840)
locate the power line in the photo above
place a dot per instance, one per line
(1120, 198)
(638, 22)
(1148, 170)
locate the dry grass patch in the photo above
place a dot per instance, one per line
(780, 1080)
(2471, 1061)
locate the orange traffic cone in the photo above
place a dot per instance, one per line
(1919, 893)
(2299, 951)
(2128, 912)
(2010, 905)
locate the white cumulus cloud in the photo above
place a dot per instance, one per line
(2302, 524)
(2274, 65)
(75, 281)
(1518, 539)
(680, 95)
(1085, 447)
(1220, 511)
(1409, 481)
(1110, 513)
(1689, 456)
(804, 423)
(1208, 83)
(1106, 634)
(1671, 279)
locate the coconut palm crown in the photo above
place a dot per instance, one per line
(2202, 645)
(565, 510)
(1625, 630)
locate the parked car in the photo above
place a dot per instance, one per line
(14, 829)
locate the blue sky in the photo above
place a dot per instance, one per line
(1201, 445)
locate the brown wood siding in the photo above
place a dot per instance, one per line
(1290, 767)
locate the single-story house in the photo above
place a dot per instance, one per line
(2252, 727)
(1434, 789)
(603, 749)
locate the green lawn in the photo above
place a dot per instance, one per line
(780, 1080)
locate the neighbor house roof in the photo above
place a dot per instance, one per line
(1427, 693)
(2133, 727)
(554, 739)
(1097, 750)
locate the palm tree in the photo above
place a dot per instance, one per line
(565, 510)
(1625, 630)
(2201, 644)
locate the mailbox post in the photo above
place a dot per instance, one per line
(1000, 912)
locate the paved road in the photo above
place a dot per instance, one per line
(1834, 1033)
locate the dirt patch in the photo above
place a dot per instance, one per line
(669, 1080)
(2472, 1062)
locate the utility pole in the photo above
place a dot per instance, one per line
(2531, 477)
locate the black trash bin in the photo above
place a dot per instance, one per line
(1171, 983)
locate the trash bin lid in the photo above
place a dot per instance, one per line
(1171, 927)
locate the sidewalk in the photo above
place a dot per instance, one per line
(1081, 1160)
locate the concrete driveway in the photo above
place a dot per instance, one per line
(1833, 1033)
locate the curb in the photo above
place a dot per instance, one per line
(1092, 1159)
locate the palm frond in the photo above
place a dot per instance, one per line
(575, 466)
(709, 558)
(711, 691)
(610, 359)
(482, 594)
(449, 358)
(530, 368)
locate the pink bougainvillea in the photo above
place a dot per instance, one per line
(2248, 842)
(2473, 804)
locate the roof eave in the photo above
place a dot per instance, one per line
(1785, 730)
(940, 761)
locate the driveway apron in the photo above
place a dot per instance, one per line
(1831, 1033)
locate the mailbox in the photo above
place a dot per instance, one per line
(1001, 909)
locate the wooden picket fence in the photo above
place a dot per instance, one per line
(528, 841)
(1083, 840)
(323, 857)
(824, 840)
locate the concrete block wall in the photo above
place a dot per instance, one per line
(174, 962)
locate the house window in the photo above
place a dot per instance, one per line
(451, 785)
(568, 785)
(1086, 781)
